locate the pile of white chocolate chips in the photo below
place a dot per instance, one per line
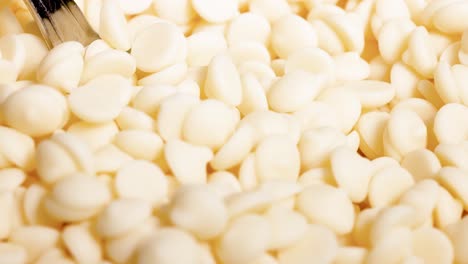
(250, 132)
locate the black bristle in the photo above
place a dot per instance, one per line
(47, 7)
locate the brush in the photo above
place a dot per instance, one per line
(60, 21)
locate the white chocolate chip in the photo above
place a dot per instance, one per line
(405, 133)
(270, 9)
(387, 185)
(224, 183)
(352, 173)
(179, 12)
(8, 73)
(351, 255)
(245, 51)
(432, 246)
(392, 38)
(454, 180)
(236, 148)
(62, 67)
(12, 253)
(72, 154)
(233, 248)
(346, 104)
(94, 136)
(131, 118)
(421, 164)
(135, 7)
(210, 124)
(165, 246)
(13, 50)
(36, 110)
(108, 62)
(140, 144)
(290, 33)
(423, 197)
(316, 145)
(372, 94)
(35, 239)
(17, 148)
(452, 154)
(123, 248)
(457, 234)
(318, 244)
(82, 244)
(113, 25)
(11, 178)
(203, 46)
(395, 247)
(313, 60)
(172, 114)
(351, 67)
(187, 162)
(106, 95)
(171, 75)
(339, 214)
(143, 180)
(405, 81)
(64, 192)
(294, 91)
(420, 54)
(171, 48)
(199, 210)
(122, 216)
(215, 11)
(150, 97)
(253, 95)
(109, 159)
(449, 123)
(223, 81)
(287, 227)
(277, 158)
(35, 50)
(248, 27)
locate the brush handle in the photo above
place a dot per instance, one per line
(60, 21)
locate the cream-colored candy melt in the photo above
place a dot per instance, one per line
(36, 110)
(293, 91)
(199, 210)
(339, 217)
(106, 95)
(63, 60)
(165, 245)
(290, 33)
(81, 243)
(210, 123)
(215, 11)
(223, 81)
(139, 144)
(234, 249)
(143, 180)
(113, 25)
(203, 46)
(157, 46)
(237, 132)
(63, 204)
